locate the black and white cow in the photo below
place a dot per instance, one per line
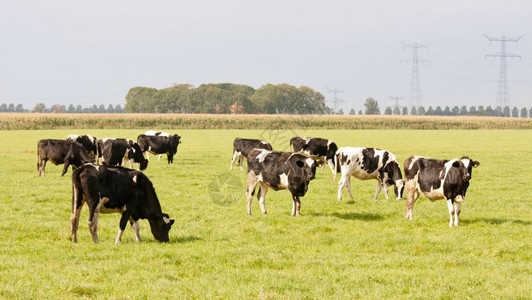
(278, 170)
(368, 163)
(88, 142)
(114, 151)
(438, 179)
(60, 152)
(241, 148)
(107, 189)
(323, 150)
(159, 143)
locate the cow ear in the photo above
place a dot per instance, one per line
(300, 163)
(475, 164)
(456, 164)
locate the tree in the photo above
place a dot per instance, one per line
(530, 113)
(388, 111)
(481, 111)
(79, 109)
(405, 111)
(71, 108)
(38, 108)
(361, 113)
(138, 99)
(396, 110)
(506, 111)
(515, 112)
(430, 111)
(341, 112)
(372, 107)
(463, 110)
(118, 109)
(11, 107)
(352, 112)
(447, 111)
(455, 111)
(473, 111)
(413, 111)
(438, 111)
(19, 108)
(490, 111)
(421, 111)
(57, 108)
(524, 112)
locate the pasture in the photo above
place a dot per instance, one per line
(357, 248)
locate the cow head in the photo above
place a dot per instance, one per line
(394, 177)
(468, 164)
(160, 225)
(331, 152)
(136, 155)
(302, 170)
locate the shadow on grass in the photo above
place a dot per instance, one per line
(351, 216)
(186, 239)
(495, 221)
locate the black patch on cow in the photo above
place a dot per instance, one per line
(370, 162)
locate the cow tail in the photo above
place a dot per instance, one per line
(335, 166)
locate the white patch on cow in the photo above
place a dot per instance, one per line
(329, 142)
(306, 140)
(264, 142)
(166, 220)
(310, 162)
(466, 162)
(284, 180)
(413, 161)
(135, 179)
(262, 156)
(259, 178)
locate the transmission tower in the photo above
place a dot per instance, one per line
(396, 98)
(335, 99)
(415, 86)
(503, 93)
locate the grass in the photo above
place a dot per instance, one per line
(357, 248)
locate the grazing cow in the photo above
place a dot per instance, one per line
(159, 144)
(323, 150)
(60, 152)
(108, 189)
(241, 148)
(368, 163)
(114, 151)
(87, 141)
(278, 170)
(438, 179)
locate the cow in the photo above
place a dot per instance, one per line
(113, 151)
(108, 189)
(159, 144)
(241, 148)
(60, 152)
(368, 163)
(323, 150)
(88, 142)
(438, 179)
(278, 170)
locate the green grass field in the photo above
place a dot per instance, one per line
(357, 248)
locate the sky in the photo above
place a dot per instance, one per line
(93, 52)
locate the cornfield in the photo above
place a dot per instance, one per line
(25, 121)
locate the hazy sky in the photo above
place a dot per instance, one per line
(93, 52)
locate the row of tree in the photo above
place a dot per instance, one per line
(12, 108)
(59, 108)
(225, 98)
(372, 108)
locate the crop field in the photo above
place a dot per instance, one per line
(358, 248)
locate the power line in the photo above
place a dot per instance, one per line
(503, 92)
(335, 100)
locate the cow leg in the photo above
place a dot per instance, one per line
(159, 159)
(93, 224)
(262, 198)
(136, 228)
(457, 206)
(385, 190)
(235, 154)
(131, 163)
(252, 183)
(126, 215)
(348, 186)
(344, 180)
(240, 161)
(411, 197)
(450, 205)
(170, 158)
(379, 186)
(41, 168)
(77, 204)
(296, 206)
(65, 168)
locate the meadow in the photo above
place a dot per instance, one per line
(358, 248)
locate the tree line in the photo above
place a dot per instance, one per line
(372, 108)
(227, 98)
